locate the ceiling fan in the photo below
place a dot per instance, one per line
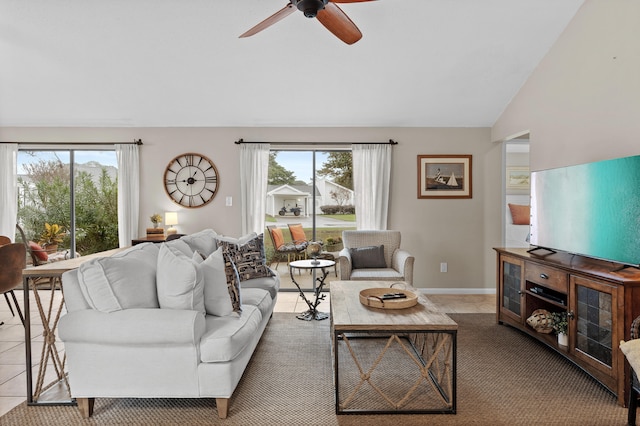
(327, 12)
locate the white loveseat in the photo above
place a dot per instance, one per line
(164, 320)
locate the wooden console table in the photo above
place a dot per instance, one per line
(50, 314)
(601, 300)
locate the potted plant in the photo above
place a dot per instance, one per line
(560, 326)
(155, 232)
(333, 244)
(51, 237)
(156, 219)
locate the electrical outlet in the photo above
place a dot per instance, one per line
(443, 266)
(229, 201)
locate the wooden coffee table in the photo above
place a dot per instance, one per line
(424, 334)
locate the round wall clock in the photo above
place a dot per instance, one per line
(191, 180)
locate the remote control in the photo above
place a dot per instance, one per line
(388, 296)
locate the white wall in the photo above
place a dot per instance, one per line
(459, 232)
(582, 103)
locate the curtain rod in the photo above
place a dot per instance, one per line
(391, 142)
(136, 142)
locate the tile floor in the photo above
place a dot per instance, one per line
(12, 349)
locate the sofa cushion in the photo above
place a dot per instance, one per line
(180, 280)
(369, 274)
(217, 300)
(123, 281)
(247, 253)
(258, 297)
(271, 284)
(367, 257)
(203, 241)
(226, 337)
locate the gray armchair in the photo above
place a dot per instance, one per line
(398, 263)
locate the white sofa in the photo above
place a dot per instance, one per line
(160, 320)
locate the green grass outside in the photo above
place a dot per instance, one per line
(345, 217)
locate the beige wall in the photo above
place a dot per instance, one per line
(459, 232)
(582, 103)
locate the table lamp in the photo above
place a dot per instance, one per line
(171, 219)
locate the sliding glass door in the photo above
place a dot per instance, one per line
(67, 200)
(315, 189)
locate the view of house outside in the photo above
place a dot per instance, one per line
(291, 195)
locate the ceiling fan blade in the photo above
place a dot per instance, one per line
(336, 21)
(349, 1)
(282, 13)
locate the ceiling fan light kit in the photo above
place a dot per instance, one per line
(310, 8)
(326, 11)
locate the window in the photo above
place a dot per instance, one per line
(73, 189)
(314, 188)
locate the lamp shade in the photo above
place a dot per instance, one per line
(171, 218)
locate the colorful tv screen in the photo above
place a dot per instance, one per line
(589, 209)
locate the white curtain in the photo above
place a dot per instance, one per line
(8, 189)
(254, 171)
(371, 177)
(128, 192)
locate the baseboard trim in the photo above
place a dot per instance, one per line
(457, 290)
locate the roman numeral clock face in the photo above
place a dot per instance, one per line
(191, 180)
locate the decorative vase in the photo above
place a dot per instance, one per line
(563, 339)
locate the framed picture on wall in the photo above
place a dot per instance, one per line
(444, 176)
(518, 178)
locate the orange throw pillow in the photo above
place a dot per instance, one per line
(297, 233)
(520, 215)
(38, 251)
(278, 238)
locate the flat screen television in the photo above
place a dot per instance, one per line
(589, 209)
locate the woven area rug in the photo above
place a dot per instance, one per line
(504, 378)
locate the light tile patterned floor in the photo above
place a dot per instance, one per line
(12, 349)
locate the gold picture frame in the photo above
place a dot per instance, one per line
(444, 176)
(518, 178)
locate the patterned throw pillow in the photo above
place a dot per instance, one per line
(247, 254)
(233, 282)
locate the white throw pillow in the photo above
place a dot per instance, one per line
(125, 280)
(179, 279)
(217, 300)
(181, 245)
(203, 241)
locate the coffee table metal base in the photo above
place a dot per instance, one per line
(312, 315)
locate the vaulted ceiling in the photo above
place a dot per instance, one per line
(433, 63)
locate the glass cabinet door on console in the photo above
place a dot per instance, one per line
(511, 297)
(592, 333)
